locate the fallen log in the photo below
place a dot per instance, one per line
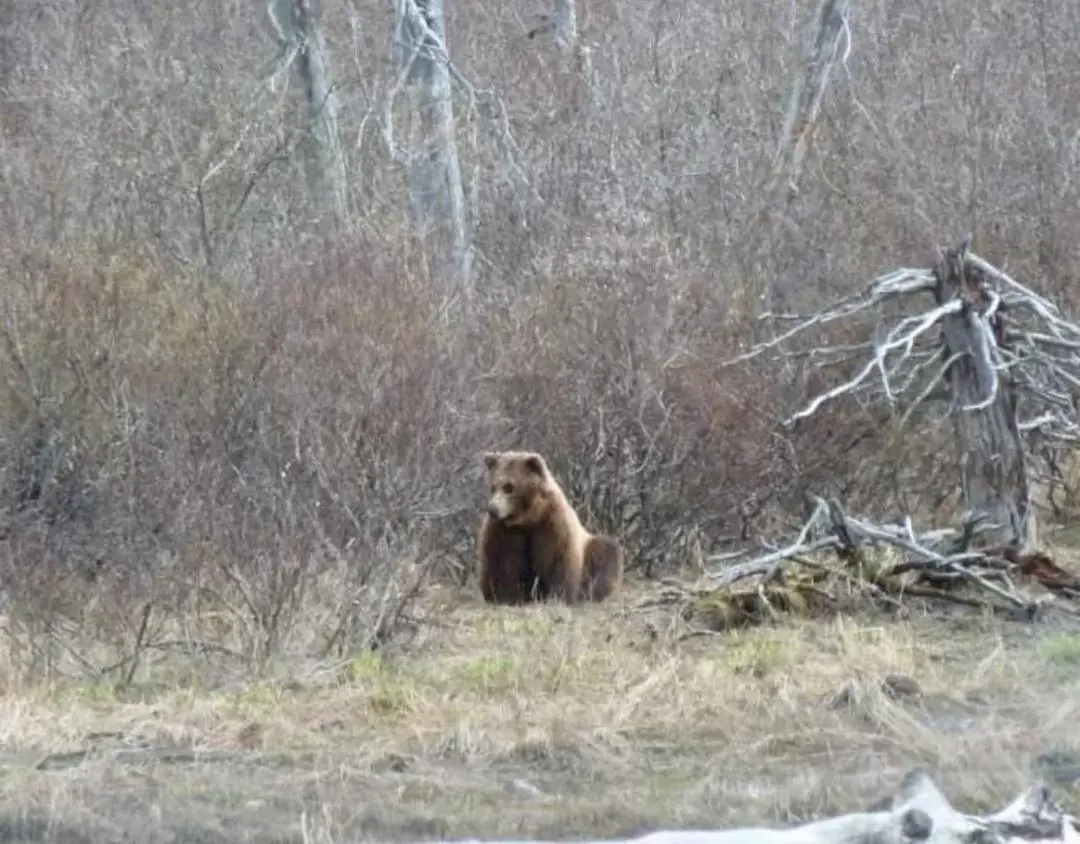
(916, 812)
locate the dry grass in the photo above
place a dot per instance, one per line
(222, 423)
(557, 722)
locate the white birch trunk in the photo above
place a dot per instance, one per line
(564, 21)
(804, 103)
(437, 195)
(300, 38)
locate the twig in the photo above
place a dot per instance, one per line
(136, 650)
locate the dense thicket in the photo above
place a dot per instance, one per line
(221, 415)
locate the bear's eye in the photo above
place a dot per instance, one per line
(508, 488)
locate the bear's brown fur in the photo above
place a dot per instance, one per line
(532, 543)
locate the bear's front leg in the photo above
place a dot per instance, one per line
(504, 571)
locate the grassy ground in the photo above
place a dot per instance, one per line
(550, 722)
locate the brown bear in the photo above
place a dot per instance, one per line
(532, 543)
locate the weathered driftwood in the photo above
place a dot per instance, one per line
(917, 812)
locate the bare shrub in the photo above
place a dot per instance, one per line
(215, 456)
(222, 428)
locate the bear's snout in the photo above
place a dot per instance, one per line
(493, 511)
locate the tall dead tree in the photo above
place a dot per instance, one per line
(829, 33)
(7, 42)
(437, 195)
(828, 41)
(575, 54)
(987, 342)
(564, 20)
(302, 48)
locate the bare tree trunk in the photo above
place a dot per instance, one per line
(7, 42)
(301, 40)
(12, 112)
(438, 198)
(822, 49)
(564, 21)
(983, 365)
(562, 24)
(809, 90)
(994, 474)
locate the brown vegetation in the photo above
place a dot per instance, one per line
(235, 438)
(220, 419)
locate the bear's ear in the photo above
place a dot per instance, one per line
(490, 459)
(535, 464)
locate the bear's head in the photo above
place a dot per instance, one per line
(520, 493)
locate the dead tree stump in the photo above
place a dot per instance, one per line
(994, 466)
